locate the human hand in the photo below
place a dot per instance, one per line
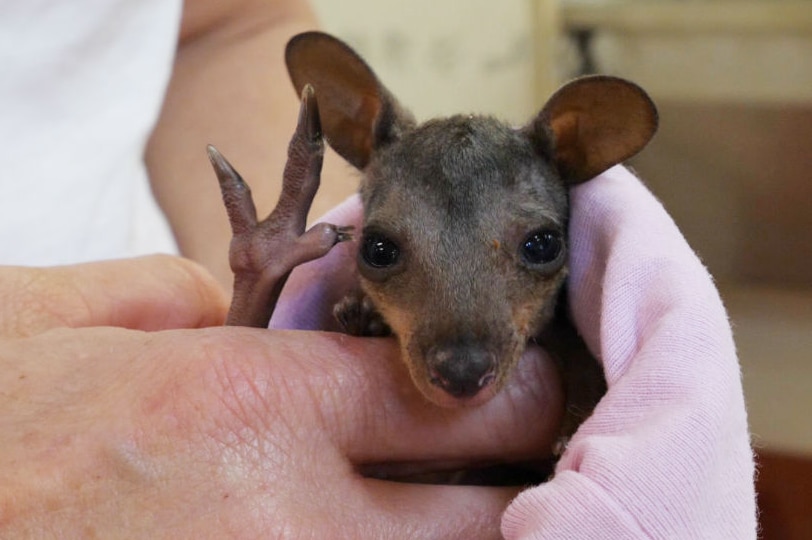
(148, 293)
(220, 432)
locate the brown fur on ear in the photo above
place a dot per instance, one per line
(593, 123)
(358, 113)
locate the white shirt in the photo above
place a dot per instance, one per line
(81, 87)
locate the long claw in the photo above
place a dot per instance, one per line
(309, 114)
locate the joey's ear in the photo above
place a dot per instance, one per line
(358, 114)
(593, 123)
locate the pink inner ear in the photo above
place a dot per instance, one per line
(598, 122)
(570, 155)
(349, 124)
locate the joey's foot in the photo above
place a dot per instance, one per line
(358, 316)
(263, 253)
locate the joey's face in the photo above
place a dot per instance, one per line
(463, 251)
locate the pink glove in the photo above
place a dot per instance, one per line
(666, 454)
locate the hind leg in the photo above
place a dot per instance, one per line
(263, 253)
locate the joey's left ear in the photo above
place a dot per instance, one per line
(593, 123)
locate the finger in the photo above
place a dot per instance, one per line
(364, 380)
(147, 293)
(422, 511)
(521, 422)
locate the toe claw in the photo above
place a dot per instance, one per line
(344, 233)
(309, 114)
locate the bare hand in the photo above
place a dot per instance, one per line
(219, 432)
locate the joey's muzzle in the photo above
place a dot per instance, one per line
(461, 370)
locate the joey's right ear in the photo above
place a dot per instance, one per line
(358, 115)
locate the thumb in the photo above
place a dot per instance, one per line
(156, 292)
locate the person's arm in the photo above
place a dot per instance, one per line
(229, 88)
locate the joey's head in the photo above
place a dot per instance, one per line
(464, 245)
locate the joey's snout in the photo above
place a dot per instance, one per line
(461, 370)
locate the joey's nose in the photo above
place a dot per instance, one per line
(462, 371)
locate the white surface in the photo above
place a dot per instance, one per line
(80, 90)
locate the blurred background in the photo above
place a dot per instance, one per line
(732, 161)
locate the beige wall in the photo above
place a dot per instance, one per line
(439, 60)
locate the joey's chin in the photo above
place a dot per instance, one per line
(442, 398)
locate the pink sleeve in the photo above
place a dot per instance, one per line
(666, 453)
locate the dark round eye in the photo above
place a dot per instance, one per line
(379, 251)
(542, 246)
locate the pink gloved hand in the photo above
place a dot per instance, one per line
(666, 453)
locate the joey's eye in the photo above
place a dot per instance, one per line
(379, 251)
(542, 246)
